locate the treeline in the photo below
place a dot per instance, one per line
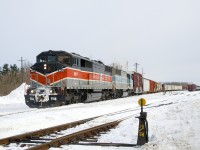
(12, 77)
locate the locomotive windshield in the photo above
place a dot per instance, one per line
(48, 58)
(65, 59)
(51, 58)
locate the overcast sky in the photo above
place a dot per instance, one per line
(162, 36)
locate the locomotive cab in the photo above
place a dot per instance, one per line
(55, 56)
(51, 61)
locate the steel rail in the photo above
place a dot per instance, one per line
(42, 132)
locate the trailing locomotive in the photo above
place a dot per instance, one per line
(59, 78)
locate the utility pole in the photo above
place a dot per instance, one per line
(142, 72)
(22, 69)
(127, 66)
(136, 66)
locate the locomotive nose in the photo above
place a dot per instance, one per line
(46, 67)
(41, 95)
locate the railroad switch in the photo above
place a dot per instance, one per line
(143, 125)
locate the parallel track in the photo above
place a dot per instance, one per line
(26, 111)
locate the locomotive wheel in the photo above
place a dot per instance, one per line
(83, 98)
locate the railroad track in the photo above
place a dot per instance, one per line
(37, 141)
(74, 138)
(31, 139)
(54, 109)
(42, 132)
(46, 138)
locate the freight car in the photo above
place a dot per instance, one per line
(59, 78)
(197, 88)
(137, 83)
(150, 86)
(146, 85)
(192, 87)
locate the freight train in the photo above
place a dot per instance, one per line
(61, 78)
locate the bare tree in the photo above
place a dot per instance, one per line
(10, 78)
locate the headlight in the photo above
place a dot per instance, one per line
(32, 91)
(51, 91)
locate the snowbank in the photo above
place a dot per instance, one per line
(16, 96)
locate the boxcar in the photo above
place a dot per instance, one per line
(152, 86)
(192, 87)
(146, 85)
(137, 83)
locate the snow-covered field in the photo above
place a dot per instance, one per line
(174, 124)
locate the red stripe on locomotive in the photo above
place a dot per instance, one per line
(69, 73)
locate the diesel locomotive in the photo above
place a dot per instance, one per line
(60, 78)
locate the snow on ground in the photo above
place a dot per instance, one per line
(14, 102)
(173, 121)
(174, 126)
(15, 96)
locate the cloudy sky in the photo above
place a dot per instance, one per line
(162, 36)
